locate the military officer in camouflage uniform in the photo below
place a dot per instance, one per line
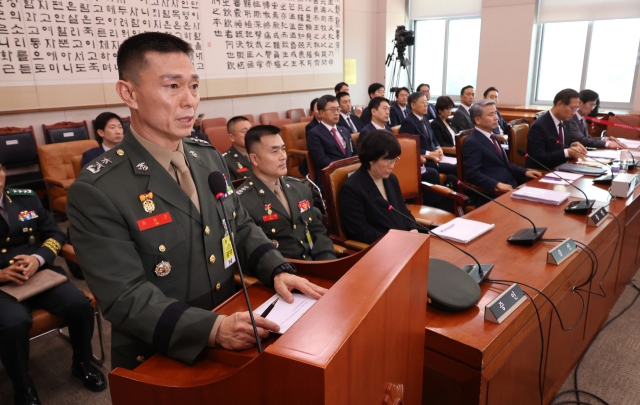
(281, 205)
(237, 157)
(22, 217)
(149, 234)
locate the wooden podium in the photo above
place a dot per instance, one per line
(362, 343)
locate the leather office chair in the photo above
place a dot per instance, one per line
(354, 137)
(58, 171)
(280, 122)
(213, 122)
(306, 120)
(266, 118)
(250, 117)
(65, 132)
(76, 162)
(219, 138)
(538, 115)
(518, 140)
(294, 137)
(20, 149)
(396, 130)
(295, 114)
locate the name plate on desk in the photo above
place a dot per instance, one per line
(500, 308)
(597, 217)
(561, 252)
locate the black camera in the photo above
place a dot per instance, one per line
(404, 37)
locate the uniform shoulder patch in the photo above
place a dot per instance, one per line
(243, 188)
(19, 191)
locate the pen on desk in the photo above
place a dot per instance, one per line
(447, 228)
(269, 308)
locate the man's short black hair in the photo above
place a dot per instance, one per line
(340, 95)
(464, 88)
(565, 96)
(255, 134)
(375, 103)
(101, 122)
(131, 54)
(489, 90)
(414, 97)
(376, 145)
(443, 103)
(374, 87)
(324, 100)
(339, 87)
(233, 121)
(400, 89)
(313, 104)
(588, 95)
(423, 84)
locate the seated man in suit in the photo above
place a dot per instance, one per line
(426, 90)
(577, 130)
(362, 219)
(347, 119)
(281, 205)
(492, 94)
(109, 133)
(380, 111)
(316, 116)
(22, 218)
(400, 109)
(443, 128)
(375, 90)
(485, 163)
(328, 142)
(237, 158)
(341, 87)
(546, 141)
(462, 119)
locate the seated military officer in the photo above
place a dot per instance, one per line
(237, 157)
(22, 216)
(148, 232)
(281, 205)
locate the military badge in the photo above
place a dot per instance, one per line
(275, 243)
(229, 189)
(142, 166)
(241, 168)
(32, 240)
(27, 215)
(95, 168)
(147, 202)
(163, 268)
(304, 205)
(195, 155)
(267, 208)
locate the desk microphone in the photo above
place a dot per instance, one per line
(605, 178)
(525, 236)
(574, 207)
(218, 187)
(634, 163)
(478, 273)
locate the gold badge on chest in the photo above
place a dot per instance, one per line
(147, 202)
(163, 268)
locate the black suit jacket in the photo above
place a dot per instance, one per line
(365, 117)
(485, 167)
(356, 122)
(462, 119)
(312, 124)
(368, 128)
(542, 143)
(91, 154)
(501, 124)
(431, 112)
(576, 133)
(413, 126)
(324, 149)
(363, 220)
(441, 132)
(396, 117)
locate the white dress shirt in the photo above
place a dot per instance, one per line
(340, 137)
(377, 126)
(105, 147)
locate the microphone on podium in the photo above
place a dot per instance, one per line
(525, 236)
(218, 187)
(478, 273)
(574, 207)
(634, 162)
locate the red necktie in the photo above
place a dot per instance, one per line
(582, 124)
(335, 135)
(495, 143)
(561, 134)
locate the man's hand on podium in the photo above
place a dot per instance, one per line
(285, 282)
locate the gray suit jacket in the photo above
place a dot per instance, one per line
(576, 134)
(462, 119)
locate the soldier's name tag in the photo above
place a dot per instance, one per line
(227, 248)
(244, 169)
(154, 221)
(309, 239)
(270, 217)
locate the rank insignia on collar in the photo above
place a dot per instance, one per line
(235, 155)
(142, 166)
(267, 208)
(163, 268)
(195, 155)
(147, 202)
(304, 205)
(95, 168)
(261, 191)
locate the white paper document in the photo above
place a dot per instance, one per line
(462, 230)
(284, 314)
(630, 143)
(540, 195)
(449, 159)
(556, 177)
(604, 154)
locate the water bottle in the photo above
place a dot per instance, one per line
(625, 159)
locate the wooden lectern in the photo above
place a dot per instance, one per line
(362, 343)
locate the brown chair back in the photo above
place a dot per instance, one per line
(407, 170)
(213, 122)
(65, 131)
(266, 118)
(219, 138)
(250, 118)
(19, 147)
(518, 140)
(629, 119)
(355, 137)
(460, 138)
(295, 114)
(294, 139)
(306, 120)
(538, 115)
(76, 163)
(396, 130)
(333, 177)
(280, 122)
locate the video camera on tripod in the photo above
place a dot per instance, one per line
(403, 38)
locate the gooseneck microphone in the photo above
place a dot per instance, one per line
(575, 207)
(525, 236)
(218, 187)
(635, 162)
(478, 273)
(605, 178)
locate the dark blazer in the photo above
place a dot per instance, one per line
(365, 117)
(396, 117)
(441, 132)
(356, 122)
(363, 220)
(462, 119)
(542, 143)
(91, 154)
(575, 132)
(324, 149)
(412, 125)
(485, 167)
(501, 124)
(368, 128)
(431, 112)
(312, 124)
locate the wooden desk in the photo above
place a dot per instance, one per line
(472, 361)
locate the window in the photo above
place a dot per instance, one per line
(446, 54)
(601, 56)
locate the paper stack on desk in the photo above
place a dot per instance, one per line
(462, 230)
(630, 143)
(284, 314)
(557, 177)
(540, 195)
(604, 154)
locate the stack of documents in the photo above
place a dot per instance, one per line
(604, 154)
(630, 143)
(540, 195)
(557, 177)
(462, 230)
(449, 159)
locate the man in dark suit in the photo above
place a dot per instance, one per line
(492, 94)
(462, 119)
(237, 158)
(341, 87)
(328, 142)
(577, 129)
(546, 141)
(400, 109)
(347, 119)
(485, 162)
(316, 117)
(109, 133)
(375, 90)
(426, 90)
(380, 111)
